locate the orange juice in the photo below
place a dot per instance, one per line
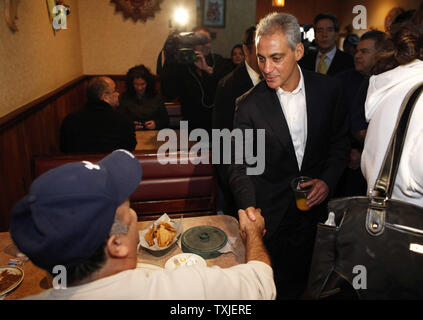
(302, 204)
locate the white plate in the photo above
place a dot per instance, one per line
(16, 271)
(185, 259)
(149, 267)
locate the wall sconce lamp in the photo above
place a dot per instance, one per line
(179, 20)
(278, 3)
(181, 17)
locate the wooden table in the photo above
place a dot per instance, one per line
(227, 223)
(147, 141)
(37, 280)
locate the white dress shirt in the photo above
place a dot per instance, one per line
(295, 111)
(254, 76)
(328, 59)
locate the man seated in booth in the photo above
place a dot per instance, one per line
(78, 216)
(98, 127)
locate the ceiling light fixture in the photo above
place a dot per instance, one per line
(278, 3)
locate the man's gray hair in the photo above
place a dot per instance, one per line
(284, 22)
(119, 227)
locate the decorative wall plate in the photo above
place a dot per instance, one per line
(137, 9)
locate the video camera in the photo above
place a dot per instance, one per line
(307, 38)
(179, 47)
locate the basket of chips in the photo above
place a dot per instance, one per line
(161, 236)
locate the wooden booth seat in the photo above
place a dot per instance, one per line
(175, 113)
(182, 188)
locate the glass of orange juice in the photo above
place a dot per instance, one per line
(301, 193)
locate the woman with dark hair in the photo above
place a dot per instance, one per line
(398, 69)
(141, 102)
(237, 55)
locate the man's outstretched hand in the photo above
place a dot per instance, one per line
(251, 222)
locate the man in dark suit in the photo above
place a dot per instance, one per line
(229, 89)
(328, 59)
(236, 84)
(306, 134)
(355, 83)
(98, 127)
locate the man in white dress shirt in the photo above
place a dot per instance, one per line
(306, 134)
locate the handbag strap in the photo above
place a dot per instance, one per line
(386, 179)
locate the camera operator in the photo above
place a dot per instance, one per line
(309, 46)
(191, 73)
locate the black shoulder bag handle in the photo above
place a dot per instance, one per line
(385, 182)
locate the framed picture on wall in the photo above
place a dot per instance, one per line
(214, 13)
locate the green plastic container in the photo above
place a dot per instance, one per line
(206, 241)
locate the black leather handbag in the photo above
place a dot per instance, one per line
(375, 248)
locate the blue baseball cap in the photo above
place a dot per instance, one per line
(69, 210)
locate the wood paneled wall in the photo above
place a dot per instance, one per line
(34, 129)
(304, 10)
(28, 131)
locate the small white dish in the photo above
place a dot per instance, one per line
(185, 260)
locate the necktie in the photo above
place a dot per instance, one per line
(322, 68)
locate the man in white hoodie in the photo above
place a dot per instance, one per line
(384, 98)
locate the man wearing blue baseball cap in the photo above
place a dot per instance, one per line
(78, 216)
